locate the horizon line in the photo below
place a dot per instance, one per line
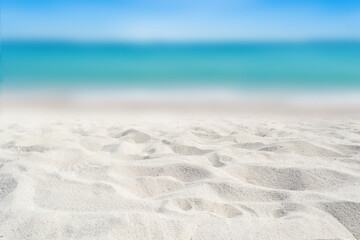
(160, 41)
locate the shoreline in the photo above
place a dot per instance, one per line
(180, 101)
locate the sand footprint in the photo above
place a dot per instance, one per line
(236, 192)
(32, 148)
(188, 150)
(215, 160)
(287, 209)
(145, 187)
(7, 185)
(203, 205)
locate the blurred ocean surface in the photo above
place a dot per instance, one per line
(69, 65)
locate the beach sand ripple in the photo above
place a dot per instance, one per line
(230, 178)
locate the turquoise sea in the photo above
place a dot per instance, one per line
(307, 65)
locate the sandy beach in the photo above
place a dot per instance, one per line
(163, 176)
(180, 120)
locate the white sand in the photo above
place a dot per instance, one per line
(179, 177)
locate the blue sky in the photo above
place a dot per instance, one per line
(180, 20)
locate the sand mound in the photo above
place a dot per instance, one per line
(300, 148)
(134, 136)
(295, 179)
(181, 172)
(347, 213)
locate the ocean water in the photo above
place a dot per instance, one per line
(296, 66)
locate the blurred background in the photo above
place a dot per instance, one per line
(227, 48)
